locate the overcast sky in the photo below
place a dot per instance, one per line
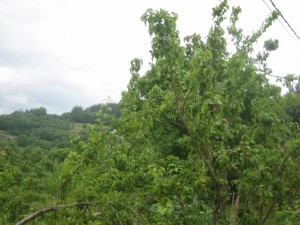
(62, 53)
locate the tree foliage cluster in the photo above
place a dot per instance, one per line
(37, 128)
(203, 138)
(33, 146)
(90, 114)
(28, 179)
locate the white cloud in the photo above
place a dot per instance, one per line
(62, 53)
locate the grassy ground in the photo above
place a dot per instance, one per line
(77, 127)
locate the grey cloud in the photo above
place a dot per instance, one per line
(57, 97)
(18, 59)
(18, 47)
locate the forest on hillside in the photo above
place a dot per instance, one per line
(202, 137)
(35, 127)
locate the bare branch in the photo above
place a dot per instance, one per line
(41, 212)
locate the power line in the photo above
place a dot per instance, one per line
(285, 19)
(289, 33)
(267, 5)
(283, 25)
(277, 76)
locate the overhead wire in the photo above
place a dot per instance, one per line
(283, 24)
(276, 76)
(284, 19)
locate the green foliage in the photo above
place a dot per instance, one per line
(203, 138)
(35, 127)
(89, 115)
(28, 180)
(271, 45)
(292, 106)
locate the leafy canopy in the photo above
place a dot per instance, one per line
(203, 137)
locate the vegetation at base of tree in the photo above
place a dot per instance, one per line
(203, 138)
(33, 146)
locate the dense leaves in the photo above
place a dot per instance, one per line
(90, 114)
(203, 138)
(36, 127)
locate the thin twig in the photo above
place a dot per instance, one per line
(116, 215)
(67, 180)
(53, 208)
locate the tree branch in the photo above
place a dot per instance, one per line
(269, 212)
(66, 181)
(41, 212)
(179, 109)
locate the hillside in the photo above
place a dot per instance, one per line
(35, 127)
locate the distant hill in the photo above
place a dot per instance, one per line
(35, 127)
(80, 115)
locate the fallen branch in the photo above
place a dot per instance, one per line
(41, 212)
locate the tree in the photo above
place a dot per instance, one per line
(200, 101)
(203, 137)
(23, 140)
(39, 111)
